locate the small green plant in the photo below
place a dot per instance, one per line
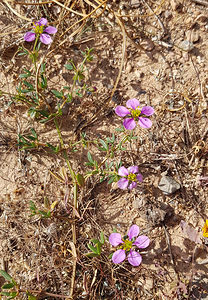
(10, 289)
(96, 246)
(35, 211)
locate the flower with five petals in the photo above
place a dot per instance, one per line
(135, 114)
(129, 177)
(127, 245)
(40, 29)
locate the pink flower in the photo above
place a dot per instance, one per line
(126, 246)
(136, 113)
(130, 178)
(39, 29)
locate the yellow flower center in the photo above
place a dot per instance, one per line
(132, 177)
(38, 29)
(135, 113)
(127, 245)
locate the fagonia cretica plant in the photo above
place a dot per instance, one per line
(33, 92)
(70, 114)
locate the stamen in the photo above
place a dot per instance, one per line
(135, 113)
(38, 28)
(132, 177)
(127, 245)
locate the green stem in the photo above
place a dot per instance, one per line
(36, 40)
(75, 195)
(64, 152)
(73, 179)
(34, 52)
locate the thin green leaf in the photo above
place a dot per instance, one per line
(94, 241)
(57, 94)
(42, 67)
(8, 285)
(91, 254)
(51, 146)
(12, 295)
(43, 82)
(102, 237)
(45, 120)
(120, 129)
(89, 156)
(44, 214)
(6, 275)
(113, 138)
(69, 67)
(25, 91)
(30, 137)
(24, 75)
(98, 246)
(28, 84)
(105, 146)
(34, 132)
(80, 179)
(112, 179)
(92, 248)
(5, 293)
(102, 178)
(110, 164)
(32, 205)
(23, 53)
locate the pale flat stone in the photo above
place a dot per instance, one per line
(168, 185)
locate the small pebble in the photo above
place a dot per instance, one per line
(186, 45)
(168, 185)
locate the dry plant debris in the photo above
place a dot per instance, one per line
(62, 145)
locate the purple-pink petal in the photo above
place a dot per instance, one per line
(122, 171)
(118, 256)
(42, 22)
(45, 38)
(29, 36)
(50, 30)
(122, 111)
(115, 239)
(132, 185)
(147, 110)
(133, 169)
(134, 258)
(123, 183)
(139, 177)
(133, 231)
(132, 103)
(144, 122)
(129, 124)
(142, 241)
